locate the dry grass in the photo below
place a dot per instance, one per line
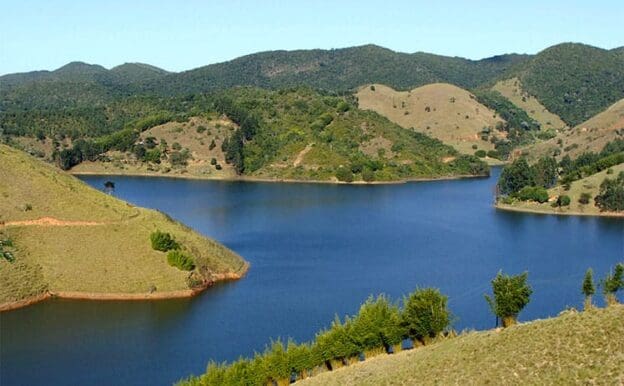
(591, 135)
(184, 133)
(589, 185)
(574, 348)
(440, 110)
(112, 257)
(512, 90)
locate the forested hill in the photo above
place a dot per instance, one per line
(575, 81)
(339, 69)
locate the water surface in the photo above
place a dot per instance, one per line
(315, 251)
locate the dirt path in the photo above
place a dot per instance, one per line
(50, 222)
(302, 154)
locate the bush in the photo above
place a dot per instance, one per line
(213, 161)
(200, 129)
(494, 154)
(480, 153)
(368, 175)
(611, 195)
(563, 200)
(584, 198)
(613, 283)
(532, 193)
(343, 174)
(162, 241)
(180, 260)
(511, 295)
(588, 287)
(377, 324)
(276, 363)
(425, 314)
(212, 145)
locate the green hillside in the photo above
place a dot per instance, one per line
(574, 348)
(575, 81)
(65, 237)
(297, 134)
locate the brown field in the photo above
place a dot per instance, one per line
(441, 110)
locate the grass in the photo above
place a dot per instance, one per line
(114, 256)
(445, 119)
(589, 185)
(512, 90)
(591, 135)
(573, 348)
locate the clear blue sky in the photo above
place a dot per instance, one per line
(184, 34)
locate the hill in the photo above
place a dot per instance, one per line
(512, 89)
(297, 134)
(591, 135)
(441, 110)
(573, 348)
(68, 239)
(574, 81)
(338, 69)
(589, 186)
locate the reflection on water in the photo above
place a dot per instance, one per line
(315, 251)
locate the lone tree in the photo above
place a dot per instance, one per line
(511, 295)
(588, 288)
(425, 314)
(613, 283)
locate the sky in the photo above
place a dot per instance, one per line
(185, 34)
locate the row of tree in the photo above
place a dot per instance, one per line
(381, 326)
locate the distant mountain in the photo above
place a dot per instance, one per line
(137, 72)
(575, 81)
(339, 69)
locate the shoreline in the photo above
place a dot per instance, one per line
(124, 296)
(281, 180)
(510, 208)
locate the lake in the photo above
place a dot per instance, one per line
(315, 251)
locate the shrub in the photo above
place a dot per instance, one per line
(276, 363)
(218, 167)
(200, 129)
(368, 175)
(584, 198)
(563, 200)
(180, 260)
(343, 174)
(613, 283)
(377, 324)
(588, 287)
(480, 153)
(212, 145)
(213, 161)
(511, 295)
(611, 195)
(372, 87)
(162, 241)
(474, 147)
(532, 193)
(300, 358)
(425, 314)
(493, 154)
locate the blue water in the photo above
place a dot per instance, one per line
(315, 251)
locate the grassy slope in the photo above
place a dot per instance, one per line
(574, 348)
(591, 135)
(445, 121)
(186, 135)
(589, 185)
(512, 90)
(112, 257)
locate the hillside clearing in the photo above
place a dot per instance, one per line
(574, 348)
(441, 110)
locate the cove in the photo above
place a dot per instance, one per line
(315, 251)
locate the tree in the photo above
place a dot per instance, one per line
(511, 295)
(611, 196)
(613, 283)
(377, 324)
(516, 176)
(563, 200)
(425, 314)
(588, 288)
(545, 171)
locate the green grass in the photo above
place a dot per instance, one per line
(574, 348)
(114, 256)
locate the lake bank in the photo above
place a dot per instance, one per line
(547, 211)
(102, 296)
(276, 180)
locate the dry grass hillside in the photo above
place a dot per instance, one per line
(441, 110)
(574, 348)
(512, 90)
(196, 135)
(589, 185)
(591, 135)
(69, 237)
